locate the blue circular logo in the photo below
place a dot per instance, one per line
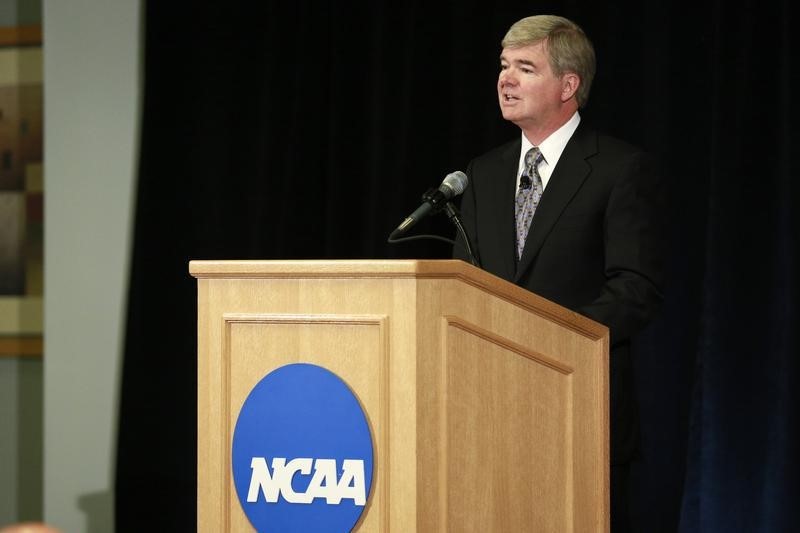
(302, 452)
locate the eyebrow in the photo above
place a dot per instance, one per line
(519, 61)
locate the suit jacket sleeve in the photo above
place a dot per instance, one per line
(634, 235)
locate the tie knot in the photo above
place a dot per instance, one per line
(533, 157)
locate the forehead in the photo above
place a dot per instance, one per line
(529, 53)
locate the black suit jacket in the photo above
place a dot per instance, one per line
(595, 245)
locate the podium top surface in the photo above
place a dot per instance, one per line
(348, 267)
(332, 268)
(419, 269)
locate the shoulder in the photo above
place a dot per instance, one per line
(500, 156)
(511, 147)
(614, 147)
(610, 156)
(592, 142)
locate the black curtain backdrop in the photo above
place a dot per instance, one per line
(310, 130)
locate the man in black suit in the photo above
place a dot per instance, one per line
(570, 214)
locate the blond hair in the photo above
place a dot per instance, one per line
(567, 47)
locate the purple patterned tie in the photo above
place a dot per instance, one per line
(528, 196)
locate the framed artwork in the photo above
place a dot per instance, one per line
(21, 191)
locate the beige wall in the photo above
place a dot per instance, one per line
(92, 102)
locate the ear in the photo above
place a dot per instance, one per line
(569, 85)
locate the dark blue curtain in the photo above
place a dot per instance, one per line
(743, 465)
(310, 129)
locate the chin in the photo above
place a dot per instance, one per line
(511, 117)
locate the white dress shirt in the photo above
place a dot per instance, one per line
(551, 149)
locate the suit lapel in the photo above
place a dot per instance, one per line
(502, 206)
(568, 176)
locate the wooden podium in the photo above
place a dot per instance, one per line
(488, 405)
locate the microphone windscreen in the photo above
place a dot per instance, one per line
(454, 184)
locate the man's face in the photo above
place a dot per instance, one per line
(530, 94)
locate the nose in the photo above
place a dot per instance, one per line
(506, 78)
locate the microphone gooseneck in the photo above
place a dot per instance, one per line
(434, 201)
(453, 184)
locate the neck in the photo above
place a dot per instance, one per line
(538, 132)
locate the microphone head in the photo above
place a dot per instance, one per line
(454, 184)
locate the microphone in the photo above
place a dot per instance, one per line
(453, 184)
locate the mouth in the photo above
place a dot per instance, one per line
(508, 98)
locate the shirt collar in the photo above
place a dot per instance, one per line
(553, 146)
